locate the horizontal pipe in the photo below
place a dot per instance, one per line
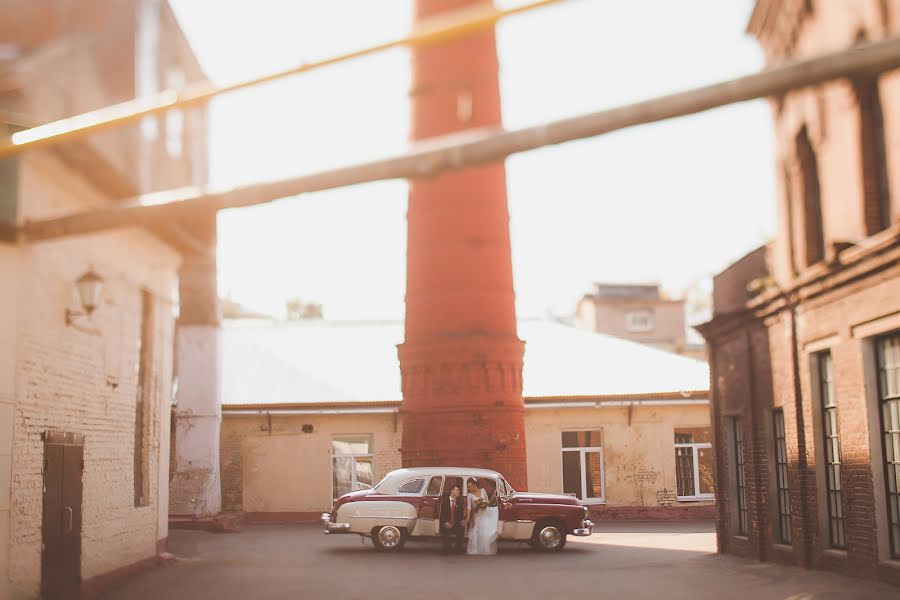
(311, 411)
(577, 404)
(435, 30)
(477, 147)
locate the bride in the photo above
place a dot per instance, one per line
(483, 521)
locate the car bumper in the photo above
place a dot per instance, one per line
(331, 527)
(586, 529)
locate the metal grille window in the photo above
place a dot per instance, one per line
(740, 480)
(830, 437)
(888, 356)
(582, 457)
(353, 463)
(693, 464)
(781, 480)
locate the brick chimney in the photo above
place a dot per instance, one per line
(461, 360)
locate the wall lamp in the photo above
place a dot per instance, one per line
(89, 286)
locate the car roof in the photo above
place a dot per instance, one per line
(413, 471)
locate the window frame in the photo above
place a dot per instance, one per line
(354, 485)
(629, 320)
(695, 458)
(782, 479)
(827, 404)
(892, 525)
(582, 450)
(740, 478)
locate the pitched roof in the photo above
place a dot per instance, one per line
(327, 362)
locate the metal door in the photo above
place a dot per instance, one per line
(61, 551)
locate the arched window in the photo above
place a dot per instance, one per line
(876, 190)
(813, 249)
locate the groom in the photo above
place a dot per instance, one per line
(452, 515)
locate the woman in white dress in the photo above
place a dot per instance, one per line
(483, 521)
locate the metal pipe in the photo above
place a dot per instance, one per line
(479, 147)
(438, 29)
(385, 411)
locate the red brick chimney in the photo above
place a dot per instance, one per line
(461, 360)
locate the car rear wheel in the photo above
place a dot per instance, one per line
(388, 538)
(549, 537)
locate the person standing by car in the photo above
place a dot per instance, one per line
(484, 520)
(452, 517)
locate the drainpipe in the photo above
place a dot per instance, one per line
(802, 463)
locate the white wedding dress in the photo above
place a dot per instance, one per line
(483, 534)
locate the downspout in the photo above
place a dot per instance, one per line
(802, 463)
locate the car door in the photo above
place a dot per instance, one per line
(512, 524)
(430, 509)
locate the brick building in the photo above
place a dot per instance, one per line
(85, 383)
(641, 313)
(804, 343)
(620, 425)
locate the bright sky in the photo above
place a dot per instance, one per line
(672, 202)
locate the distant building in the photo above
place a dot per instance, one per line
(639, 312)
(623, 426)
(85, 400)
(805, 338)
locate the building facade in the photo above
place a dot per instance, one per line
(805, 335)
(86, 323)
(638, 312)
(329, 393)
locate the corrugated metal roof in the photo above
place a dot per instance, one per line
(324, 362)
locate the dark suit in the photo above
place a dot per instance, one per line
(456, 523)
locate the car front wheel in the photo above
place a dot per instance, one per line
(388, 538)
(549, 537)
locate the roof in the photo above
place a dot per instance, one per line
(414, 471)
(321, 362)
(396, 478)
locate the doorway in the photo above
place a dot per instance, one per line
(61, 532)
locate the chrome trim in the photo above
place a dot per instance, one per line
(388, 518)
(586, 529)
(333, 527)
(526, 521)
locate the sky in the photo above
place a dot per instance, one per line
(673, 202)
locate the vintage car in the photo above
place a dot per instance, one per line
(406, 504)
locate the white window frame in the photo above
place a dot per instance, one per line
(630, 325)
(695, 455)
(582, 451)
(353, 479)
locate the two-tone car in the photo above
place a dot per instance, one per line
(406, 505)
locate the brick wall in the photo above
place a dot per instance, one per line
(83, 378)
(837, 305)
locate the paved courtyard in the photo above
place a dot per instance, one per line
(621, 560)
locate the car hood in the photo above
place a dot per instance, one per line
(544, 498)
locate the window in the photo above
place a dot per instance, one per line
(876, 190)
(9, 179)
(582, 457)
(435, 486)
(888, 356)
(830, 438)
(740, 480)
(782, 489)
(413, 486)
(813, 232)
(639, 320)
(142, 402)
(693, 464)
(353, 463)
